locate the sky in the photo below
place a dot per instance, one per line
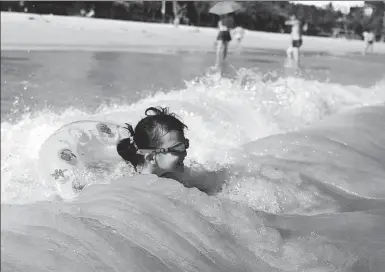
(343, 6)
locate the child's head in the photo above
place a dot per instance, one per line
(293, 16)
(157, 145)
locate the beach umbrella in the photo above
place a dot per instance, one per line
(225, 7)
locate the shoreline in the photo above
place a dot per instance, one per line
(27, 31)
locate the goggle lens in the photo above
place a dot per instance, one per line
(179, 148)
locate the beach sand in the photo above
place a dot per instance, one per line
(23, 31)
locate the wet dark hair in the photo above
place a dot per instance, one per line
(148, 134)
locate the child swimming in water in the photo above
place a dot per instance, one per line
(157, 144)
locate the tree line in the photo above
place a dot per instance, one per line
(256, 15)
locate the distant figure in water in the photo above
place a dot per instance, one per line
(296, 40)
(157, 144)
(225, 24)
(239, 34)
(369, 41)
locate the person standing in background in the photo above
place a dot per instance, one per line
(369, 41)
(296, 40)
(225, 24)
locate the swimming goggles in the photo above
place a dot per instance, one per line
(178, 148)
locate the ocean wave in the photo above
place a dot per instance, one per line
(277, 154)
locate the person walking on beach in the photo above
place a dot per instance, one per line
(296, 40)
(225, 24)
(369, 41)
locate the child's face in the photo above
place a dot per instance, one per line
(171, 162)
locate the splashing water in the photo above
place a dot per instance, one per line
(221, 115)
(260, 141)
